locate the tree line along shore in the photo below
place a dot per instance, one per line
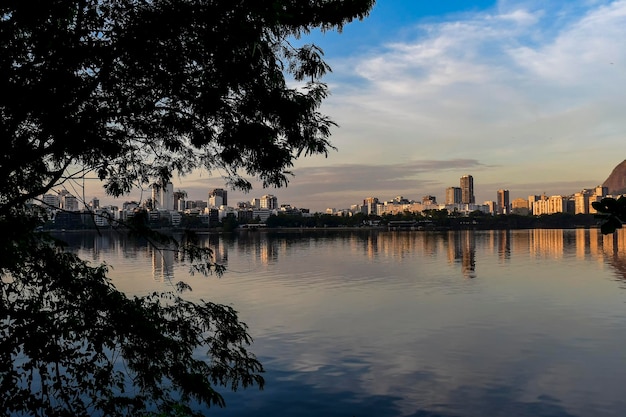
(434, 220)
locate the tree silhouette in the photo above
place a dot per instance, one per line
(132, 92)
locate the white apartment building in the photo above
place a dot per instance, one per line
(551, 205)
(581, 203)
(268, 202)
(163, 196)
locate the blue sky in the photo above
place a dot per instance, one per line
(523, 95)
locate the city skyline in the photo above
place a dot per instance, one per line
(462, 197)
(525, 95)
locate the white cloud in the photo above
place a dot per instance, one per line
(582, 53)
(530, 89)
(519, 17)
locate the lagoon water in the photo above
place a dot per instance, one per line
(378, 323)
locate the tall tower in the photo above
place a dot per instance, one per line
(167, 196)
(218, 197)
(453, 195)
(503, 202)
(467, 190)
(163, 196)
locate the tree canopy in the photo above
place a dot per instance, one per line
(133, 89)
(133, 92)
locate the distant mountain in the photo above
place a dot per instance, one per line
(616, 182)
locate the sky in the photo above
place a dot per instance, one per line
(522, 95)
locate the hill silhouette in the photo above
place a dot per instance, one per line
(616, 182)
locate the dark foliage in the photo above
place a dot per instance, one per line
(437, 219)
(73, 345)
(612, 212)
(133, 92)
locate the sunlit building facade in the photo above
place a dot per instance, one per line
(520, 206)
(467, 190)
(268, 202)
(550, 205)
(502, 202)
(370, 205)
(453, 195)
(581, 202)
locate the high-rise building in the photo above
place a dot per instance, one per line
(179, 204)
(69, 202)
(453, 195)
(467, 190)
(531, 202)
(218, 197)
(502, 206)
(370, 205)
(601, 191)
(592, 199)
(179, 200)
(52, 200)
(268, 202)
(163, 196)
(581, 202)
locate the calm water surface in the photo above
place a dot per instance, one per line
(496, 323)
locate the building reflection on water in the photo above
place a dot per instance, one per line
(162, 263)
(460, 247)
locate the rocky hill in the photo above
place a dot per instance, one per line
(616, 182)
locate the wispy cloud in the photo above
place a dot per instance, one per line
(530, 87)
(342, 185)
(346, 184)
(587, 50)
